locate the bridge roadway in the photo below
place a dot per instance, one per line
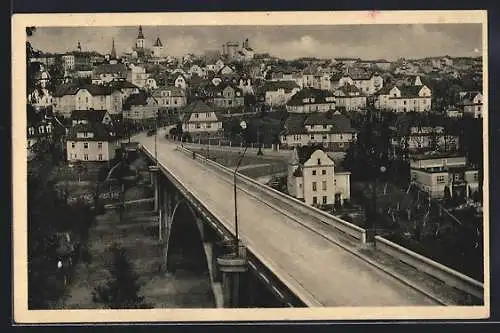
(321, 270)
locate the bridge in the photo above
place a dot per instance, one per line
(293, 254)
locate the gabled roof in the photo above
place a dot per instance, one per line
(110, 68)
(340, 122)
(287, 86)
(99, 130)
(295, 124)
(158, 42)
(93, 116)
(174, 91)
(410, 91)
(318, 94)
(140, 98)
(304, 152)
(123, 85)
(197, 106)
(384, 90)
(93, 89)
(348, 89)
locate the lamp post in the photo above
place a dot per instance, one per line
(236, 231)
(382, 169)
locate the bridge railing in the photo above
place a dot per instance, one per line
(421, 263)
(339, 224)
(436, 270)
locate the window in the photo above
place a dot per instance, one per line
(319, 161)
(76, 156)
(99, 145)
(196, 115)
(314, 172)
(440, 179)
(315, 200)
(335, 182)
(209, 125)
(100, 157)
(323, 185)
(198, 126)
(314, 185)
(312, 137)
(323, 172)
(86, 157)
(86, 145)
(324, 200)
(324, 137)
(325, 126)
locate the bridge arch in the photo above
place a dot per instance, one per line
(185, 248)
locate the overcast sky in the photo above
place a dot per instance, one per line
(364, 41)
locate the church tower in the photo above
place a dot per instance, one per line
(158, 48)
(139, 43)
(113, 50)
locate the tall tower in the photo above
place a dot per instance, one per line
(79, 47)
(113, 50)
(139, 43)
(158, 48)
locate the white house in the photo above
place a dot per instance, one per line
(90, 143)
(367, 83)
(314, 178)
(471, 103)
(440, 174)
(170, 97)
(311, 100)
(106, 73)
(200, 121)
(350, 97)
(329, 130)
(279, 92)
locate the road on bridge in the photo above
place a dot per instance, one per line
(304, 259)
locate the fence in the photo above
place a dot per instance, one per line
(436, 270)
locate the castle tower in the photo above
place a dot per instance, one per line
(139, 43)
(158, 48)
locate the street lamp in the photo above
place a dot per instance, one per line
(382, 169)
(243, 126)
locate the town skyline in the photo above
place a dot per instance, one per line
(289, 42)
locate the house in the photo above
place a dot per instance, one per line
(404, 98)
(349, 97)
(90, 143)
(41, 98)
(367, 83)
(279, 92)
(180, 82)
(140, 107)
(287, 74)
(311, 100)
(414, 135)
(69, 97)
(226, 95)
(382, 64)
(196, 70)
(91, 117)
(200, 121)
(443, 175)
(331, 130)
(454, 112)
(106, 73)
(246, 86)
(314, 178)
(226, 70)
(137, 75)
(39, 130)
(471, 103)
(127, 88)
(170, 97)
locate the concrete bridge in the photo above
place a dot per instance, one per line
(288, 255)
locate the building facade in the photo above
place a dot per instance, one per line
(312, 178)
(310, 100)
(200, 121)
(90, 143)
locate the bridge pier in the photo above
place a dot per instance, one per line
(155, 182)
(232, 267)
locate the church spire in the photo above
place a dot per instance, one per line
(113, 51)
(140, 35)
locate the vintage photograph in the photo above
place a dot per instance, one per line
(268, 166)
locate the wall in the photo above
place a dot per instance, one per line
(310, 167)
(343, 184)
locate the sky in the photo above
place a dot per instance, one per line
(288, 42)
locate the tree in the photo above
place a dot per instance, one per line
(121, 291)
